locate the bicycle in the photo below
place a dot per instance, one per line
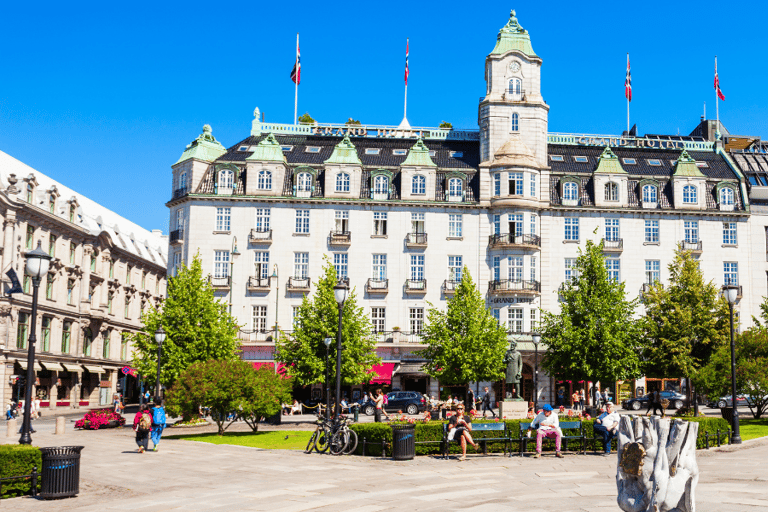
(344, 440)
(320, 438)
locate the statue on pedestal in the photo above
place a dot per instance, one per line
(514, 362)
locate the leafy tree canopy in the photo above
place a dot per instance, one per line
(465, 343)
(446, 124)
(304, 353)
(306, 119)
(197, 326)
(353, 121)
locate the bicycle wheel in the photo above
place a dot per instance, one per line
(339, 442)
(323, 439)
(351, 443)
(311, 443)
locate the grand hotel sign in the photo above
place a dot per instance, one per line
(627, 142)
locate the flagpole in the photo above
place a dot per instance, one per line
(717, 102)
(296, 83)
(405, 102)
(627, 99)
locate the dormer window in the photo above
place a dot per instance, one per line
(456, 154)
(455, 189)
(312, 149)
(515, 124)
(515, 89)
(264, 181)
(581, 159)
(183, 181)
(286, 149)
(419, 184)
(726, 196)
(689, 195)
(650, 194)
(556, 158)
(372, 151)
(243, 148)
(342, 182)
(303, 184)
(654, 162)
(570, 193)
(629, 161)
(612, 191)
(381, 187)
(226, 182)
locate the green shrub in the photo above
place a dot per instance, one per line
(710, 425)
(17, 460)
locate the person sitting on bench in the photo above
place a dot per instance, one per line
(460, 427)
(607, 426)
(547, 425)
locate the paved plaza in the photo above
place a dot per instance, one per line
(187, 475)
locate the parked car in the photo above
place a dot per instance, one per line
(410, 402)
(727, 401)
(676, 401)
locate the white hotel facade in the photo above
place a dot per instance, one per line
(401, 210)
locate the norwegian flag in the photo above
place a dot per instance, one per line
(628, 83)
(406, 62)
(296, 72)
(717, 87)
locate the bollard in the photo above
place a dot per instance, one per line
(60, 422)
(10, 426)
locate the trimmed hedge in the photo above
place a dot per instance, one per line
(17, 460)
(432, 431)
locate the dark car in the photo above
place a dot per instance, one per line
(726, 401)
(410, 402)
(676, 401)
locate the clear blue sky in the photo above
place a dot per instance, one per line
(104, 96)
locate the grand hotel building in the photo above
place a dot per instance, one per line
(400, 211)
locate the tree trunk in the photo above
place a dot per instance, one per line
(657, 470)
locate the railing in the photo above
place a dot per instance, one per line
(503, 239)
(691, 246)
(256, 336)
(298, 283)
(177, 236)
(258, 283)
(514, 286)
(415, 285)
(32, 480)
(339, 237)
(613, 244)
(416, 239)
(449, 286)
(180, 192)
(260, 236)
(377, 285)
(396, 337)
(219, 282)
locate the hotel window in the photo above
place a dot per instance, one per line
(379, 223)
(259, 319)
(454, 268)
(176, 265)
(27, 284)
(516, 88)
(342, 182)
(613, 265)
(572, 229)
(111, 269)
(533, 223)
(649, 194)
(265, 180)
(416, 319)
(220, 264)
(729, 233)
(533, 184)
(71, 292)
(652, 231)
(379, 267)
(226, 181)
(515, 319)
(652, 271)
(611, 191)
(127, 309)
(262, 220)
(341, 264)
(45, 329)
(302, 221)
(515, 125)
(123, 349)
(612, 230)
(455, 189)
(689, 194)
(110, 301)
(533, 268)
(570, 269)
(93, 263)
(183, 181)
(52, 203)
(30, 237)
(378, 319)
(105, 344)
(22, 333)
(417, 223)
(30, 192)
(515, 224)
(261, 262)
(49, 286)
(304, 184)
(726, 196)
(66, 337)
(381, 187)
(496, 224)
(417, 267)
(731, 273)
(72, 213)
(497, 268)
(570, 191)
(52, 246)
(454, 225)
(87, 341)
(223, 219)
(419, 185)
(72, 249)
(515, 268)
(341, 221)
(691, 228)
(295, 314)
(516, 183)
(301, 265)
(497, 184)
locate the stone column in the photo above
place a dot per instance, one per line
(106, 257)
(54, 393)
(9, 230)
(85, 280)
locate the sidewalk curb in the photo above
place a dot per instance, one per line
(746, 445)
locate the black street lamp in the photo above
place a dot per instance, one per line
(159, 339)
(536, 340)
(327, 342)
(731, 293)
(36, 267)
(340, 293)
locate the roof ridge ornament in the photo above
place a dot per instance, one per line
(513, 37)
(513, 26)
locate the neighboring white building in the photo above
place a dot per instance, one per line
(400, 211)
(105, 272)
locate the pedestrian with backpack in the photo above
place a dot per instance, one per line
(158, 422)
(142, 425)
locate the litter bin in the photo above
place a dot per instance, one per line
(60, 477)
(403, 442)
(275, 419)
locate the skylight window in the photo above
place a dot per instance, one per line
(372, 151)
(655, 162)
(399, 152)
(312, 149)
(702, 164)
(581, 159)
(630, 161)
(286, 149)
(432, 152)
(457, 154)
(556, 158)
(243, 148)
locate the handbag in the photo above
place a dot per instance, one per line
(451, 433)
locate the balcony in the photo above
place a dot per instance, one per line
(177, 237)
(260, 236)
(449, 286)
(693, 247)
(377, 286)
(180, 192)
(416, 240)
(415, 286)
(508, 240)
(396, 337)
(339, 238)
(514, 287)
(298, 284)
(613, 245)
(258, 284)
(219, 283)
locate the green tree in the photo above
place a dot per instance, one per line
(594, 336)
(353, 121)
(306, 119)
(685, 321)
(446, 124)
(197, 325)
(714, 378)
(303, 352)
(228, 386)
(465, 343)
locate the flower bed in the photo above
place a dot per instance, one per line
(100, 418)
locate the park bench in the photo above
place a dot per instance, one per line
(499, 433)
(564, 425)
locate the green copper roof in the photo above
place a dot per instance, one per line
(419, 155)
(513, 37)
(686, 166)
(344, 153)
(268, 150)
(205, 147)
(608, 163)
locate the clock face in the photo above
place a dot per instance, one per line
(514, 67)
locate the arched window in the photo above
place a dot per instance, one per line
(516, 88)
(649, 194)
(689, 194)
(726, 196)
(570, 191)
(455, 189)
(611, 191)
(87, 341)
(226, 181)
(265, 180)
(303, 184)
(381, 187)
(515, 125)
(342, 182)
(419, 185)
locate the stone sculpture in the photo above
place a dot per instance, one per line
(514, 362)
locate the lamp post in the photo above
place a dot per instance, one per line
(340, 293)
(327, 342)
(159, 339)
(536, 340)
(232, 255)
(731, 294)
(36, 267)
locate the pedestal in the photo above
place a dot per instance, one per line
(513, 409)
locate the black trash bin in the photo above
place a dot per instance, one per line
(403, 442)
(275, 419)
(60, 477)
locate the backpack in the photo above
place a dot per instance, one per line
(145, 423)
(158, 416)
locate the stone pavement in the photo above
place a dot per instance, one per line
(187, 475)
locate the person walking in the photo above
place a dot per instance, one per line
(470, 400)
(487, 402)
(142, 425)
(575, 400)
(378, 400)
(582, 398)
(158, 422)
(654, 402)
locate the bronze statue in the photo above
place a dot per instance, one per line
(514, 362)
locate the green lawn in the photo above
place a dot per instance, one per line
(751, 428)
(275, 440)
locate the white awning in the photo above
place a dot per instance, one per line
(23, 364)
(94, 369)
(50, 365)
(72, 367)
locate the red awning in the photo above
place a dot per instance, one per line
(383, 372)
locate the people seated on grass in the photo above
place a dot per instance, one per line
(606, 427)
(460, 426)
(547, 425)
